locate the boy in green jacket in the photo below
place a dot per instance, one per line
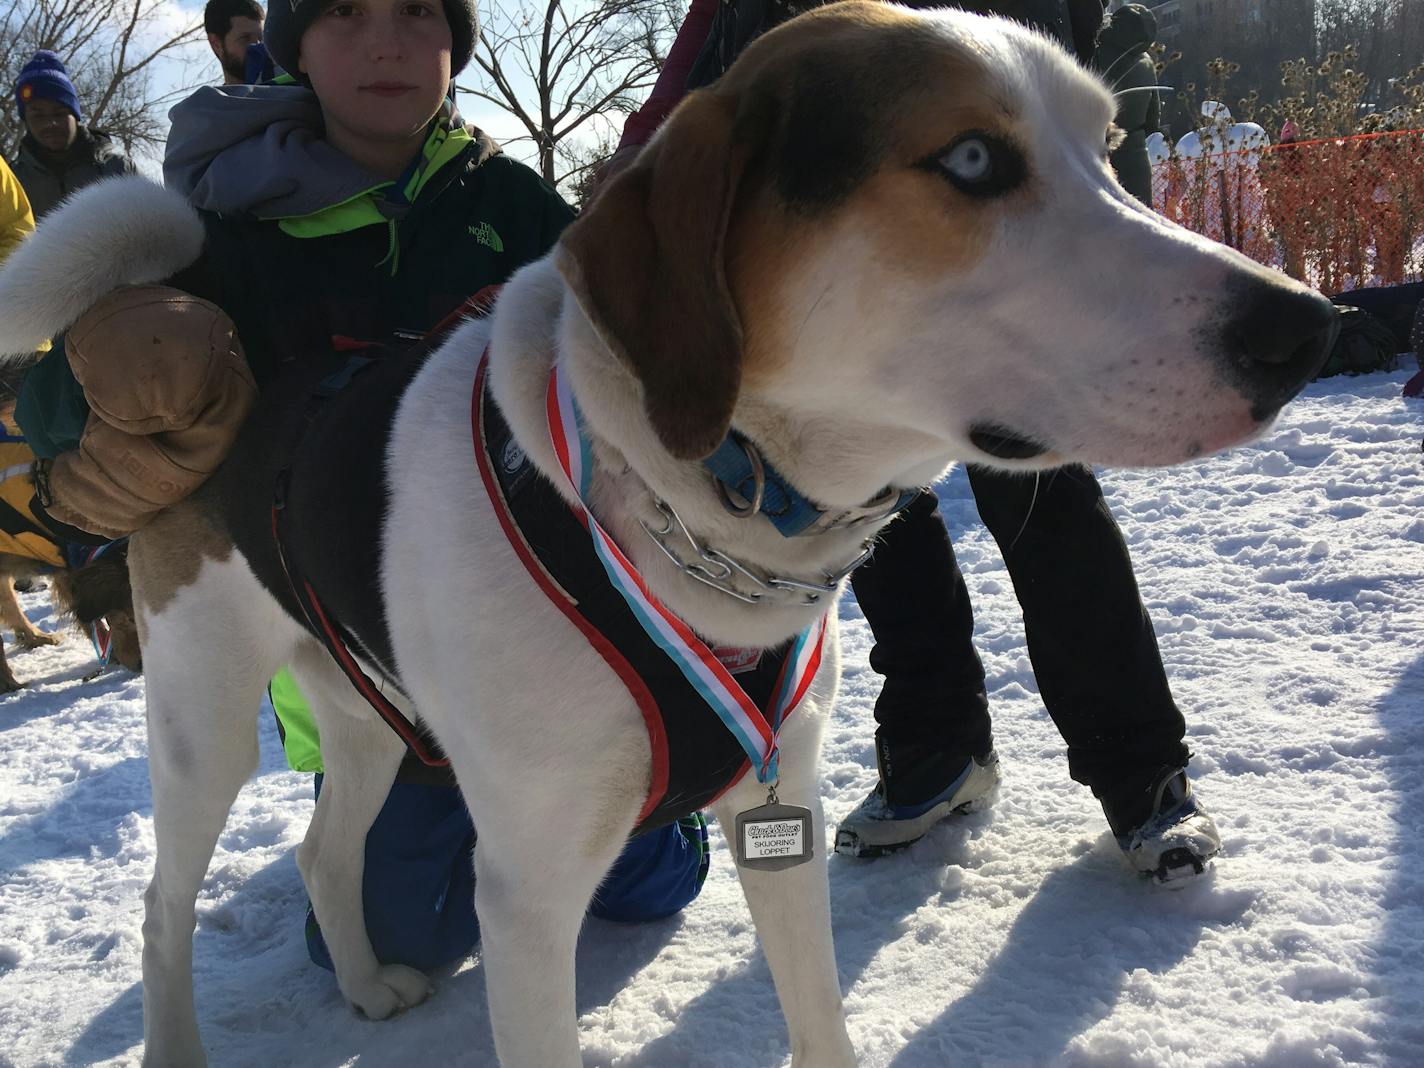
(352, 207)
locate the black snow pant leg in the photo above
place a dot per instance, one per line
(914, 598)
(1094, 654)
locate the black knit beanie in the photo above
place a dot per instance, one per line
(287, 20)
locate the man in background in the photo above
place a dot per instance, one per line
(58, 153)
(233, 26)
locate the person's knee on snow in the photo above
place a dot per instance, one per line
(418, 889)
(418, 885)
(657, 875)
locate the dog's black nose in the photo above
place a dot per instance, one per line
(1277, 342)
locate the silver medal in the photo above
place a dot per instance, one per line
(773, 836)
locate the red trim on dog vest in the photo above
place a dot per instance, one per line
(642, 696)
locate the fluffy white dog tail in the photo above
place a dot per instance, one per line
(118, 232)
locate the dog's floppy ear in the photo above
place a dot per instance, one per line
(646, 263)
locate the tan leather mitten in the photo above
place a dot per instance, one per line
(168, 390)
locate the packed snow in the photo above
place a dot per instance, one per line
(1284, 579)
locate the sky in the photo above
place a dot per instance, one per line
(1284, 580)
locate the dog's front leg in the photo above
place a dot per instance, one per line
(540, 854)
(13, 616)
(361, 755)
(792, 912)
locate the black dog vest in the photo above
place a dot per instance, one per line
(695, 758)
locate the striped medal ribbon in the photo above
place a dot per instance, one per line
(774, 835)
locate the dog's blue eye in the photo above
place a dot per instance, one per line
(981, 165)
(969, 161)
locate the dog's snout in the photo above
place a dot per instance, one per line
(1277, 342)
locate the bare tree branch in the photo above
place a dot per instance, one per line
(109, 48)
(125, 39)
(557, 65)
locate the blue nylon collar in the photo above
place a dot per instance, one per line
(789, 510)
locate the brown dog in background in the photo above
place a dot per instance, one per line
(96, 591)
(13, 617)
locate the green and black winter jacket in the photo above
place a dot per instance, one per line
(386, 264)
(373, 260)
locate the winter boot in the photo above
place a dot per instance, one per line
(1162, 831)
(918, 788)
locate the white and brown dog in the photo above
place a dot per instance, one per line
(885, 241)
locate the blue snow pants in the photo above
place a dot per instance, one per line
(419, 884)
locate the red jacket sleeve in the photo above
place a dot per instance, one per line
(671, 85)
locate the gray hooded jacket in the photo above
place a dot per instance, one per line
(258, 150)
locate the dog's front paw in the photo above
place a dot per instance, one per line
(195, 1060)
(172, 1051)
(38, 638)
(393, 988)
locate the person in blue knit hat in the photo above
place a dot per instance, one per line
(58, 153)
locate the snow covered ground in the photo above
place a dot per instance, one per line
(1285, 583)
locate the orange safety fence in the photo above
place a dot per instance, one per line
(1338, 213)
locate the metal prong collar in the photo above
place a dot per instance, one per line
(730, 497)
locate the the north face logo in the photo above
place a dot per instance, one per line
(484, 233)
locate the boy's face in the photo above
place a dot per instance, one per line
(379, 68)
(51, 124)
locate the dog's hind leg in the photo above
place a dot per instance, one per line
(792, 909)
(13, 617)
(360, 755)
(210, 651)
(8, 682)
